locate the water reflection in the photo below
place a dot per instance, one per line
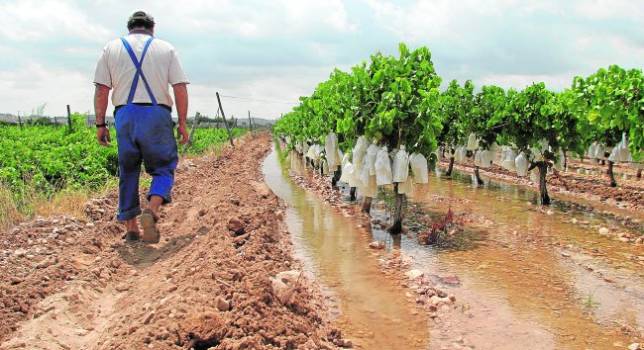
(533, 262)
(533, 279)
(374, 311)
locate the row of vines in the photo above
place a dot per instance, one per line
(383, 109)
(45, 159)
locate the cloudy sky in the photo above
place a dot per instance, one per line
(268, 53)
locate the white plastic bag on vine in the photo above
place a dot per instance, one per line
(364, 174)
(369, 188)
(310, 152)
(319, 151)
(419, 168)
(485, 158)
(509, 159)
(559, 164)
(345, 159)
(401, 165)
(472, 142)
(370, 158)
(521, 164)
(347, 171)
(406, 187)
(624, 152)
(383, 167)
(359, 151)
(534, 175)
(600, 152)
(590, 153)
(331, 150)
(536, 154)
(460, 154)
(355, 180)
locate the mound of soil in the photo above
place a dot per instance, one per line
(209, 284)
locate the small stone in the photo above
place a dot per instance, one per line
(222, 304)
(19, 252)
(377, 245)
(148, 318)
(283, 285)
(634, 346)
(450, 280)
(413, 274)
(574, 221)
(236, 226)
(603, 231)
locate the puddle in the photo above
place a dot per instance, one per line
(372, 311)
(568, 286)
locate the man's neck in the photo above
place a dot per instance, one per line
(141, 31)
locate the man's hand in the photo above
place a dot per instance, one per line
(101, 94)
(183, 133)
(181, 100)
(103, 136)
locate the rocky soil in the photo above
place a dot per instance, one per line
(222, 277)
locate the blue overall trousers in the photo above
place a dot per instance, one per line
(144, 135)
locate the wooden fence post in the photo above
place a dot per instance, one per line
(250, 123)
(69, 119)
(223, 116)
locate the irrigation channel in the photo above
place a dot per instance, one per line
(523, 277)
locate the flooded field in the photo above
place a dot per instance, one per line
(543, 277)
(527, 277)
(371, 310)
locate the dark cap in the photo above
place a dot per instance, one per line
(140, 19)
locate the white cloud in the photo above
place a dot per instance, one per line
(607, 9)
(279, 50)
(34, 84)
(33, 20)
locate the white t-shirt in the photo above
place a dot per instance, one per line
(161, 68)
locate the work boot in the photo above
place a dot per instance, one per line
(149, 224)
(132, 236)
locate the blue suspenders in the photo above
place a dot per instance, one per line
(139, 71)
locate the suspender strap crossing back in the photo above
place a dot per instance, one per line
(138, 64)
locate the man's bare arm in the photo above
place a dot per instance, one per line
(101, 95)
(181, 101)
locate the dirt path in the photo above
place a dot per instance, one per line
(76, 285)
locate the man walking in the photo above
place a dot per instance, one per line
(139, 68)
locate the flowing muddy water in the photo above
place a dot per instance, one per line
(532, 278)
(372, 310)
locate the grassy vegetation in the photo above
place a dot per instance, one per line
(46, 169)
